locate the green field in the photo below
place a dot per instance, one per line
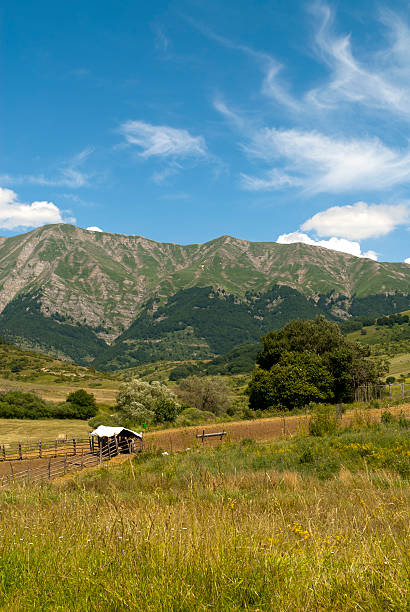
(391, 343)
(27, 430)
(299, 524)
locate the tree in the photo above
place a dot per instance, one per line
(139, 401)
(207, 393)
(81, 403)
(310, 361)
(292, 383)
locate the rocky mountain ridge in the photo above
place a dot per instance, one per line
(69, 279)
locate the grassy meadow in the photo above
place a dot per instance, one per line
(300, 523)
(27, 430)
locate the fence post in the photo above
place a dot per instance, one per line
(74, 446)
(39, 449)
(116, 444)
(4, 452)
(89, 442)
(82, 458)
(49, 468)
(402, 389)
(55, 449)
(28, 473)
(100, 445)
(65, 463)
(20, 454)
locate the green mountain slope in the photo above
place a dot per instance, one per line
(117, 300)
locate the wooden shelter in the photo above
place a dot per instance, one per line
(116, 440)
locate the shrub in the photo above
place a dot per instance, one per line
(84, 403)
(323, 421)
(208, 393)
(193, 416)
(21, 405)
(140, 402)
(387, 417)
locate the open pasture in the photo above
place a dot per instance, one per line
(27, 430)
(58, 392)
(298, 524)
(176, 439)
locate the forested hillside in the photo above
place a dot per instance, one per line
(116, 301)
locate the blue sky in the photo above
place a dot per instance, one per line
(185, 120)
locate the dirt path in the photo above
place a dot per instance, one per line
(185, 437)
(261, 429)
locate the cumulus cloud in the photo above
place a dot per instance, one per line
(93, 228)
(15, 214)
(162, 140)
(334, 244)
(320, 163)
(407, 261)
(358, 221)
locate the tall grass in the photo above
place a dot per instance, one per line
(239, 527)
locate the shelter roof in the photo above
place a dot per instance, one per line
(103, 431)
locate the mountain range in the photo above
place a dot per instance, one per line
(112, 300)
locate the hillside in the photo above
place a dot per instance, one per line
(115, 301)
(50, 378)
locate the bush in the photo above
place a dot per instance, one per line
(207, 393)
(140, 402)
(387, 417)
(194, 416)
(21, 405)
(83, 402)
(68, 410)
(109, 420)
(323, 421)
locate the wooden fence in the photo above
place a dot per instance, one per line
(52, 466)
(41, 449)
(391, 391)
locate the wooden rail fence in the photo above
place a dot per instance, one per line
(41, 449)
(393, 391)
(53, 466)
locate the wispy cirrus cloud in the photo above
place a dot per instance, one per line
(15, 214)
(162, 140)
(379, 80)
(68, 174)
(320, 163)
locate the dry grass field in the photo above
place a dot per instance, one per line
(58, 392)
(300, 524)
(25, 430)
(177, 439)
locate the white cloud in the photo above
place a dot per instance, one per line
(407, 261)
(68, 175)
(162, 140)
(93, 228)
(229, 114)
(321, 163)
(334, 244)
(358, 221)
(14, 214)
(380, 81)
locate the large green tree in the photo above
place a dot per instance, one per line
(309, 361)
